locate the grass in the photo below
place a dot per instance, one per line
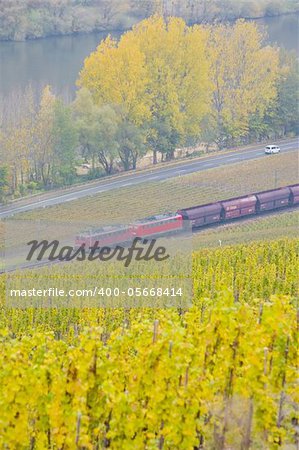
(132, 202)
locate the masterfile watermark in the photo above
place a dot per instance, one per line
(139, 250)
(52, 263)
(104, 293)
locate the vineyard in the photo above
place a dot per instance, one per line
(221, 375)
(148, 284)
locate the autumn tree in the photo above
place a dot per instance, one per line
(116, 74)
(151, 73)
(18, 116)
(117, 77)
(44, 137)
(244, 75)
(179, 83)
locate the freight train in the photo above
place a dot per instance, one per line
(196, 216)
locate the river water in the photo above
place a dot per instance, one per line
(57, 60)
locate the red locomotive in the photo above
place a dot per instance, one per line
(105, 236)
(157, 225)
(151, 226)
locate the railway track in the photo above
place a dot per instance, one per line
(222, 225)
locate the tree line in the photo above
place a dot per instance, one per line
(29, 19)
(161, 86)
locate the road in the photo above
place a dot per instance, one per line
(133, 179)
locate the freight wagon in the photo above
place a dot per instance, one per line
(237, 207)
(197, 216)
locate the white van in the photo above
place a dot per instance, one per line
(272, 149)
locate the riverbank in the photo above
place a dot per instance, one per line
(71, 18)
(56, 61)
(117, 30)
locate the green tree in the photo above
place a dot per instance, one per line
(4, 183)
(282, 114)
(84, 115)
(287, 110)
(163, 138)
(97, 127)
(131, 143)
(105, 137)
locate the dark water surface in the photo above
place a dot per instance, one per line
(57, 60)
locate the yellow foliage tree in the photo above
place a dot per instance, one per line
(244, 76)
(158, 73)
(116, 74)
(16, 138)
(179, 86)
